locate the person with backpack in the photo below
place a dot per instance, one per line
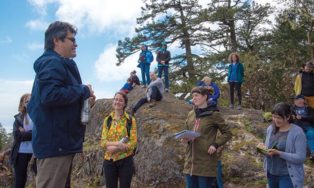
(200, 167)
(144, 61)
(119, 139)
(304, 83)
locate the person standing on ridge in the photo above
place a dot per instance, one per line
(163, 58)
(235, 78)
(144, 61)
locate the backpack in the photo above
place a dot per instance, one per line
(128, 128)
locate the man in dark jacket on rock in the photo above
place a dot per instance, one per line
(163, 58)
(55, 106)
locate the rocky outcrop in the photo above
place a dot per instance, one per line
(159, 162)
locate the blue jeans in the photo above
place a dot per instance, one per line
(145, 73)
(309, 132)
(279, 181)
(219, 175)
(199, 181)
(164, 69)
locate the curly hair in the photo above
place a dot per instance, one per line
(230, 57)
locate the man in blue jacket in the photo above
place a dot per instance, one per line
(55, 106)
(144, 61)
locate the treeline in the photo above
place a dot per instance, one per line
(271, 49)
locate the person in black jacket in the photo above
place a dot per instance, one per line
(304, 117)
(163, 58)
(22, 149)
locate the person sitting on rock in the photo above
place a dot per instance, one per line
(200, 166)
(134, 79)
(154, 92)
(127, 87)
(304, 117)
(213, 88)
(119, 141)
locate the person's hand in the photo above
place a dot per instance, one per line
(298, 117)
(92, 97)
(162, 62)
(123, 146)
(272, 152)
(21, 129)
(261, 145)
(112, 149)
(212, 149)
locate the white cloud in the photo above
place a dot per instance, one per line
(35, 46)
(6, 40)
(37, 24)
(10, 93)
(107, 70)
(95, 15)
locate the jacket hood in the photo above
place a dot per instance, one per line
(202, 112)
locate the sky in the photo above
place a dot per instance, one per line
(100, 23)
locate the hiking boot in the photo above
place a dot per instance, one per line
(239, 107)
(152, 104)
(167, 90)
(231, 106)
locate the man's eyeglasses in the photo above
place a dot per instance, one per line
(71, 39)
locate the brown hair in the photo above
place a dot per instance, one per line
(22, 108)
(201, 90)
(230, 57)
(124, 97)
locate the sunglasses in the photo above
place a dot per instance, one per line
(71, 39)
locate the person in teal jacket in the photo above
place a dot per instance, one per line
(144, 61)
(235, 78)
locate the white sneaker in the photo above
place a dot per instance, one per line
(239, 107)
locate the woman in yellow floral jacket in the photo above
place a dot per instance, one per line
(118, 143)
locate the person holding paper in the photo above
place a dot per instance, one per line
(119, 143)
(284, 163)
(201, 157)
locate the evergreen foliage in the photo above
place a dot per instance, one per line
(205, 35)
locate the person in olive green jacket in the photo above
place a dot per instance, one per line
(201, 156)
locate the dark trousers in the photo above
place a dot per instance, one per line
(164, 69)
(155, 95)
(20, 169)
(121, 170)
(145, 73)
(199, 181)
(237, 86)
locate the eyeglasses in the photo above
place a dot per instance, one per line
(71, 39)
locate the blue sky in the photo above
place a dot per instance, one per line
(100, 23)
